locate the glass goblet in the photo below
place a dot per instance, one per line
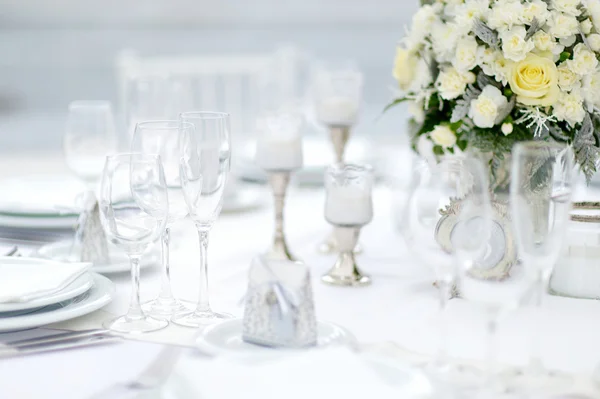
(348, 207)
(133, 210)
(162, 138)
(205, 164)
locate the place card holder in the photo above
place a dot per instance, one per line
(279, 307)
(89, 236)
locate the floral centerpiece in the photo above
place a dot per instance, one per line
(486, 74)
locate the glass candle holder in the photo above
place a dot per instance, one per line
(279, 153)
(348, 207)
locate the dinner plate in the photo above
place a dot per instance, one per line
(119, 262)
(39, 195)
(78, 286)
(226, 338)
(101, 293)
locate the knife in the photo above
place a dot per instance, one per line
(70, 343)
(62, 336)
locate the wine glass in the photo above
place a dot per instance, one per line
(540, 203)
(134, 209)
(205, 165)
(89, 137)
(454, 188)
(162, 138)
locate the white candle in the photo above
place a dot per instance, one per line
(348, 206)
(279, 153)
(337, 110)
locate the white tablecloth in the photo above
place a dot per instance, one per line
(400, 306)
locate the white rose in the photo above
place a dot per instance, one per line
(537, 9)
(570, 7)
(569, 108)
(562, 25)
(514, 45)
(465, 58)
(451, 84)
(591, 89)
(584, 61)
(507, 128)
(567, 79)
(505, 14)
(586, 26)
(443, 136)
(593, 7)
(485, 109)
(543, 41)
(594, 42)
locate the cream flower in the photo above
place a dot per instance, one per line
(569, 108)
(443, 136)
(514, 45)
(593, 8)
(465, 58)
(444, 37)
(405, 66)
(502, 69)
(584, 61)
(507, 128)
(562, 25)
(537, 9)
(570, 7)
(421, 24)
(543, 41)
(535, 81)
(567, 79)
(451, 84)
(505, 14)
(586, 26)
(594, 42)
(485, 109)
(416, 111)
(591, 89)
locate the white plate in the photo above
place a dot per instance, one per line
(38, 222)
(119, 264)
(39, 195)
(97, 297)
(226, 338)
(80, 285)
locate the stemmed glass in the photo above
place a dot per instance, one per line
(540, 199)
(89, 137)
(279, 153)
(134, 208)
(337, 93)
(205, 164)
(455, 188)
(162, 138)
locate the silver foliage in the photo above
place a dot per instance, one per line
(584, 145)
(461, 110)
(485, 33)
(506, 110)
(533, 28)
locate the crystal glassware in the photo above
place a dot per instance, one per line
(348, 207)
(162, 138)
(337, 94)
(89, 137)
(540, 202)
(279, 153)
(205, 163)
(134, 208)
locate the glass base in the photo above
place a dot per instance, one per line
(198, 319)
(164, 308)
(135, 325)
(456, 376)
(329, 246)
(539, 382)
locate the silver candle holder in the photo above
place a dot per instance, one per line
(279, 182)
(348, 207)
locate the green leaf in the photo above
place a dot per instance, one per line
(565, 55)
(438, 150)
(394, 103)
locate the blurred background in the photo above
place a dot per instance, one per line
(57, 51)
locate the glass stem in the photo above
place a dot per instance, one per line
(135, 308)
(536, 365)
(445, 288)
(165, 285)
(203, 303)
(491, 330)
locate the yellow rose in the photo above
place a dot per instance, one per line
(535, 81)
(405, 67)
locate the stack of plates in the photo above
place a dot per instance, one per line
(36, 292)
(38, 207)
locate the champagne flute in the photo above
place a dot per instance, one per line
(162, 138)
(134, 208)
(205, 165)
(540, 199)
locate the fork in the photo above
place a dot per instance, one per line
(153, 376)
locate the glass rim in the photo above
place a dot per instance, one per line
(341, 167)
(166, 124)
(90, 103)
(204, 115)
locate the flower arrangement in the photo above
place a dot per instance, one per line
(488, 73)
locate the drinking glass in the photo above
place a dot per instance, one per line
(453, 184)
(134, 208)
(205, 164)
(540, 199)
(162, 138)
(89, 137)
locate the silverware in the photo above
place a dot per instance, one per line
(14, 251)
(62, 336)
(70, 343)
(153, 376)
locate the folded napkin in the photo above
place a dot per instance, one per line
(25, 279)
(323, 373)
